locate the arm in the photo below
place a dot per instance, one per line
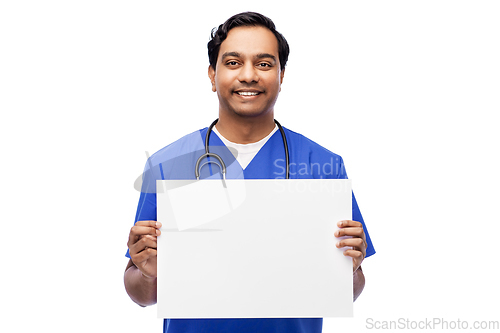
(357, 252)
(358, 283)
(140, 288)
(140, 274)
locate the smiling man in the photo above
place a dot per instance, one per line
(247, 78)
(247, 65)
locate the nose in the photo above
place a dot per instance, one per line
(248, 73)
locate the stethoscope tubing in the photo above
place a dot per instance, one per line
(223, 165)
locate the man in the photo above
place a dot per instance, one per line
(247, 66)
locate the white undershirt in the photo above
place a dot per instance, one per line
(245, 152)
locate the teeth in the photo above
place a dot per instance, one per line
(247, 93)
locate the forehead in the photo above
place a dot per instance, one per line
(249, 41)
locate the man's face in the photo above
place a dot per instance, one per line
(248, 76)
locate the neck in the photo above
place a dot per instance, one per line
(244, 130)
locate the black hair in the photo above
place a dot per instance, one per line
(218, 35)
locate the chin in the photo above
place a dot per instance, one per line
(249, 113)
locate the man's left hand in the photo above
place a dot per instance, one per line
(357, 241)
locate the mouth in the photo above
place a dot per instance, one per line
(248, 93)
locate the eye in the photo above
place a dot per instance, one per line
(232, 63)
(264, 65)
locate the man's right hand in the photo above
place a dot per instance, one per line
(142, 246)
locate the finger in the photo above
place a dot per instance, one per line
(360, 247)
(143, 228)
(142, 244)
(149, 223)
(148, 236)
(357, 258)
(350, 231)
(136, 232)
(356, 243)
(146, 241)
(349, 223)
(355, 255)
(143, 256)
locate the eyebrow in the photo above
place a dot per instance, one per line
(230, 54)
(258, 56)
(265, 55)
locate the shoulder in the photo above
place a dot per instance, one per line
(304, 144)
(189, 143)
(175, 161)
(309, 159)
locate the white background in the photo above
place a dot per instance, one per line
(406, 91)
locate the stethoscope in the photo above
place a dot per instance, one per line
(222, 165)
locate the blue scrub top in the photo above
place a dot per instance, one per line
(308, 160)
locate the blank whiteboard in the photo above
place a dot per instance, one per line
(253, 249)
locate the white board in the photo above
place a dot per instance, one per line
(266, 249)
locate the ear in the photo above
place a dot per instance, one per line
(211, 76)
(282, 74)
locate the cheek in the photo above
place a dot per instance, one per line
(274, 80)
(223, 80)
(274, 85)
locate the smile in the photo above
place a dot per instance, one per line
(247, 93)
